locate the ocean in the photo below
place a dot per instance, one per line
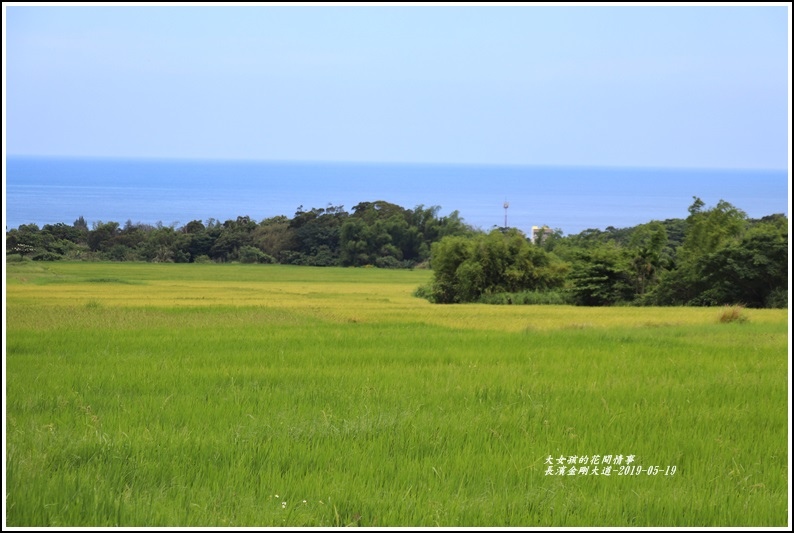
(44, 190)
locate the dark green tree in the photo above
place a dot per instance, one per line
(273, 236)
(707, 231)
(752, 272)
(102, 236)
(316, 236)
(646, 254)
(25, 240)
(602, 276)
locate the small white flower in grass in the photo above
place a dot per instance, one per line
(275, 495)
(283, 505)
(304, 501)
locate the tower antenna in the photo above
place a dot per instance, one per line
(506, 205)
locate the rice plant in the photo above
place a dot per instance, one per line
(264, 395)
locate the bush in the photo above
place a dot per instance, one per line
(46, 256)
(733, 313)
(388, 262)
(499, 262)
(426, 292)
(528, 298)
(249, 254)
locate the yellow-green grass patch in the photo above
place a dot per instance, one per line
(226, 395)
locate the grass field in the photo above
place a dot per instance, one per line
(259, 395)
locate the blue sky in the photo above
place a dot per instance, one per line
(610, 86)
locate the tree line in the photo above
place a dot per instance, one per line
(715, 256)
(376, 233)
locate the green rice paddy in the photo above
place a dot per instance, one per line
(266, 395)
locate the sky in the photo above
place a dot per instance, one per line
(641, 86)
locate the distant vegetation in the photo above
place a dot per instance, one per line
(716, 256)
(376, 233)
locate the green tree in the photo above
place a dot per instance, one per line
(466, 268)
(447, 256)
(316, 236)
(355, 242)
(81, 225)
(25, 240)
(231, 236)
(102, 236)
(379, 233)
(646, 248)
(707, 231)
(160, 246)
(273, 236)
(602, 276)
(752, 272)
(251, 254)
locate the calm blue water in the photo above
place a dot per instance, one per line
(52, 190)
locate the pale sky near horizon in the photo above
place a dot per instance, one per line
(667, 86)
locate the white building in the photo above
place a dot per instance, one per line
(541, 232)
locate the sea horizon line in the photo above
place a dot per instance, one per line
(363, 163)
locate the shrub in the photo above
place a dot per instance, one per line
(426, 292)
(249, 254)
(46, 256)
(733, 313)
(464, 268)
(388, 262)
(777, 299)
(551, 297)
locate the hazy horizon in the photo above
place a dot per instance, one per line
(585, 86)
(394, 163)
